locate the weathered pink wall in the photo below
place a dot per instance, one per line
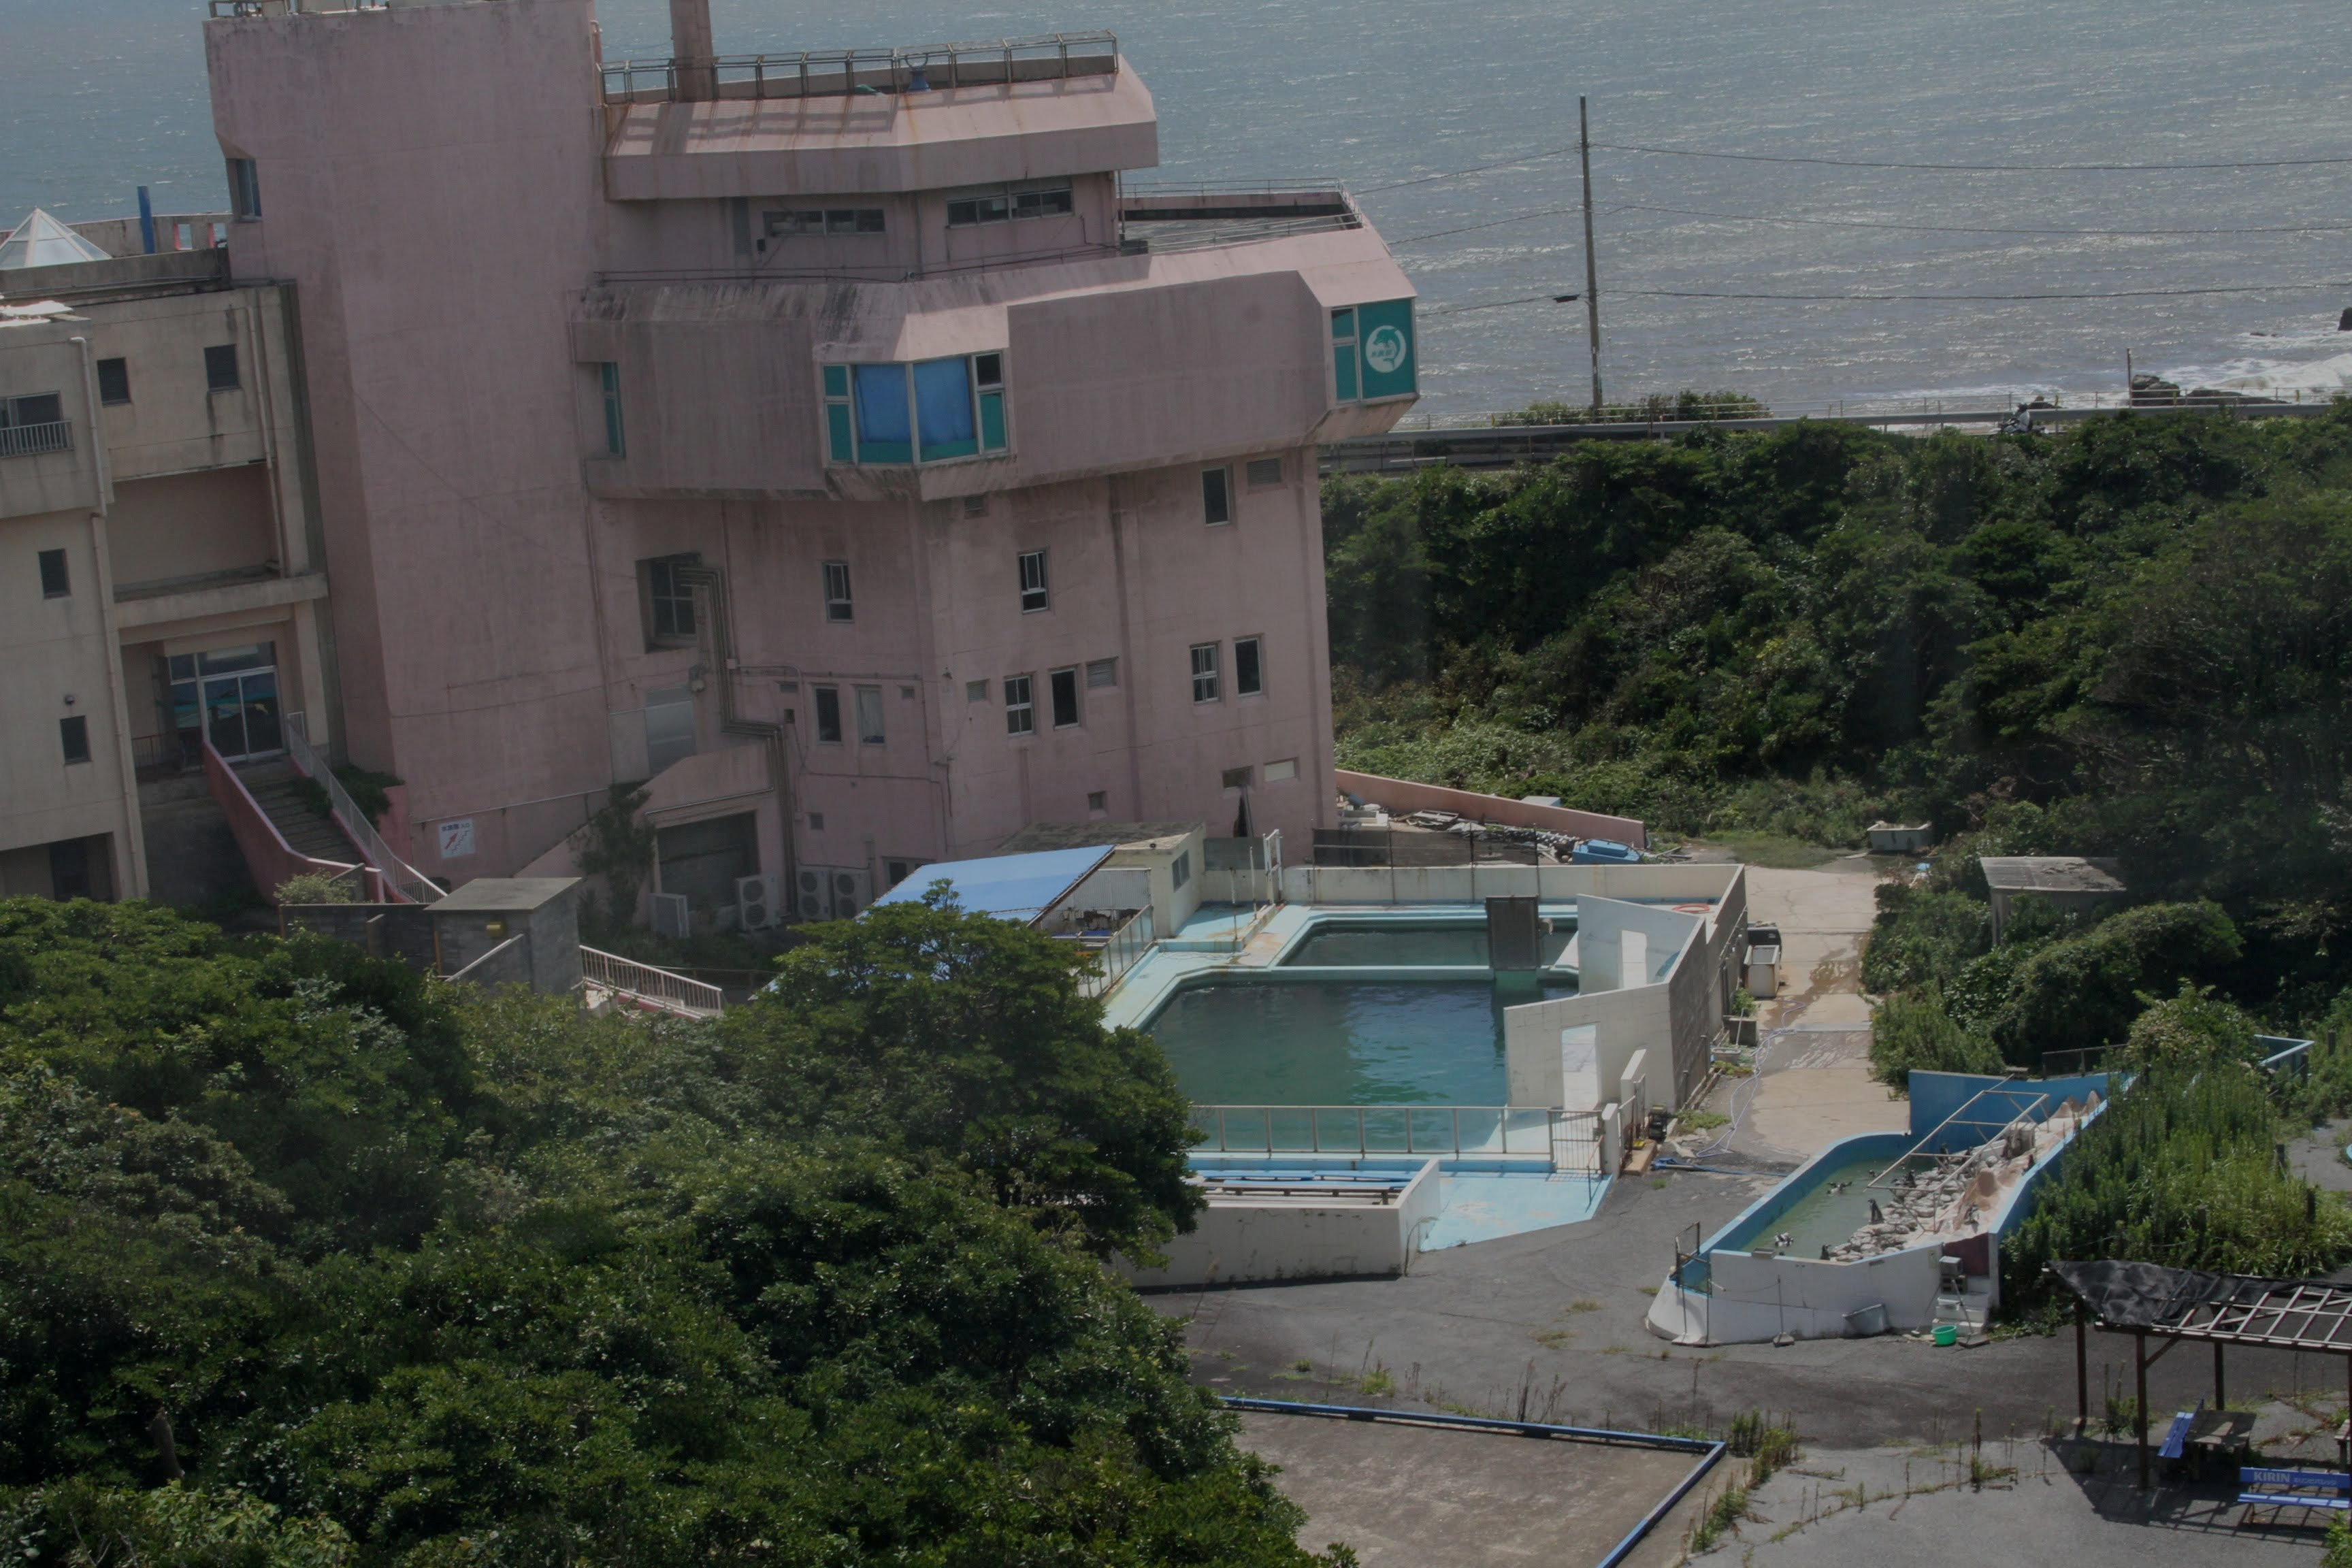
(434, 180)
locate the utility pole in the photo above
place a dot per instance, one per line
(1592, 271)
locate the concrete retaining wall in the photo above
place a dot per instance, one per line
(1240, 1240)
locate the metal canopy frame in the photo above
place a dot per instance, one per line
(2276, 1314)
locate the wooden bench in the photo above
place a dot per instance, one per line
(2263, 1488)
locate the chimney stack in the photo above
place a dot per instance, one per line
(690, 47)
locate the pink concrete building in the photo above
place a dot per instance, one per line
(845, 444)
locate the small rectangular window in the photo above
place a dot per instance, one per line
(74, 735)
(115, 380)
(828, 713)
(1216, 495)
(1249, 674)
(1098, 800)
(976, 505)
(1205, 672)
(55, 582)
(608, 380)
(869, 715)
(1032, 581)
(840, 444)
(220, 368)
(1020, 713)
(897, 871)
(244, 189)
(837, 606)
(1287, 768)
(1063, 685)
(1264, 471)
(1102, 672)
(669, 602)
(975, 691)
(1180, 870)
(1237, 778)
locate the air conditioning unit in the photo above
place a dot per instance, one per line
(672, 916)
(832, 892)
(756, 898)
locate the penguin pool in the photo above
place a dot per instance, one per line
(1887, 1230)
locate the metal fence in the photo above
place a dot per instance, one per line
(404, 881)
(831, 73)
(1570, 1139)
(1380, 848)
(31, 440)
(655, 987)
(1127, 944)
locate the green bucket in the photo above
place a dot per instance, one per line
(1947, 1335)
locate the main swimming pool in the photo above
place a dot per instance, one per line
(1343, 1042)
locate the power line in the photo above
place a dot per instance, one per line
(1475, 169)
(1898, 298)
(1966, 168)
(1868, 223)
(1498, 304)
(1861, 164)
(1968, 299)
(1964, 228)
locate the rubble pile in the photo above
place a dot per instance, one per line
(1958, 1193)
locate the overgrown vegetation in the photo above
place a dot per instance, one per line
(385, 1271)
(2126, 639)
(2182, 1170)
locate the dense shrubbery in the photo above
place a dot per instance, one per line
(2181, 1170)
(2126, 639)
(405, 1277)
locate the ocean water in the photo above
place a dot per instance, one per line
(98, 96)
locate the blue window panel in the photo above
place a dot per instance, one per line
(1343, 325)
(1343, 371)
(992, 421)
(837, 380)
(836, 430)
(1384, 349)
(943, 409)
(885, 431)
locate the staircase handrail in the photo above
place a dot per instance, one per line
(224, 781)
(661, 987)
(401, 882)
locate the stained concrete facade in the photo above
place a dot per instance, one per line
(153, 509)
(581, 369)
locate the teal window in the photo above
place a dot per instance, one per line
(840, 444)
(932, 411)
(1343, 355)
(1372, 351)
(609, 379)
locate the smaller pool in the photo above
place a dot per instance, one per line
(1335, 944)
(1828, 1215)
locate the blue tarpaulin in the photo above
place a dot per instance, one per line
(1009, 886)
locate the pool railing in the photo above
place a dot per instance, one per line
(1567, 1139)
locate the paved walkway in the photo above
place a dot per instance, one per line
(1812, 1084)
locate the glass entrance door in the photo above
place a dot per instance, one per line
(231, 695)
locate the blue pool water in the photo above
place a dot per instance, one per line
(1352, 1042)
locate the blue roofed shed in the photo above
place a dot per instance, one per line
(1023, 888)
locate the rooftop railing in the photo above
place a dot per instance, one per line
(31, 440)
(834, 73)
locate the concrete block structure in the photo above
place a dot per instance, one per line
(842, 444)
(161, 557)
